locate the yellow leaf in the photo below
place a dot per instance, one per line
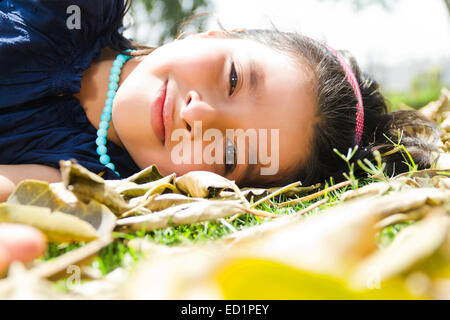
(248, 278)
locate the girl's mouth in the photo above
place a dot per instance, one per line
(157, 113)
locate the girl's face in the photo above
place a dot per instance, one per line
(210, 84)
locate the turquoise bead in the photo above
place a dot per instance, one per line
(100, 141)
(104, 159)
(103, 125)
(109, 102)
(107, 110)
(114, 78)
(111, 94)
(117, 63)
(106, 117)
(122, 58)
(102, 133)
(115, 70)
(101, 150)
(113, 86)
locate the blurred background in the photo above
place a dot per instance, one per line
(404, 44)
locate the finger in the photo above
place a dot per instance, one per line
(21, 242)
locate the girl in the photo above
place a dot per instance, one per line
(65, 93)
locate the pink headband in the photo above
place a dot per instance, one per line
(354, 83)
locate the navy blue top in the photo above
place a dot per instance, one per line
(41, 65)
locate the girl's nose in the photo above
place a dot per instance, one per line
(197, 109)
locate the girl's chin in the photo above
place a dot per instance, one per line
(145, 159)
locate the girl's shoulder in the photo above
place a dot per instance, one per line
(46, 44)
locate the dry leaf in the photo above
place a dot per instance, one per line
(333, 242)
(258, 193)
(39, 193)
(132, 189)
(434, 108)
(104, 289)
(201, 183)
(167, 200)
(373, 189)
(175, 274)
(57, 226)
(261, 230)
(24, 285)
(426, 173)
(182, 214)
(444, 161)
(411, 245)
(146, 175)
(87, 186)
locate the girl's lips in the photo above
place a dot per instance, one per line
(157, 113)
(167, 114)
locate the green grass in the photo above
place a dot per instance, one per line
(387, 235)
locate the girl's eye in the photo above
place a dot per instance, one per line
(233, 79)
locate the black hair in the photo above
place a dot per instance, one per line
(115, 38)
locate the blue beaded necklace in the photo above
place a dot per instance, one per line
(102, 131)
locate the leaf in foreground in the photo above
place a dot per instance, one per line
(39, 193)
(57, 226)
(411, 245)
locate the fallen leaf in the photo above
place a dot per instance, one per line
(39, 193)
(88, 186)
(182, 214)
(256, 194)
(201, 183)
(57, 226)
(164, 201)
(410, 246)
(132, 189)
(24, 285)
(146, 175)
(373, 189)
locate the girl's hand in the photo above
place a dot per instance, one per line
(19, 242)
